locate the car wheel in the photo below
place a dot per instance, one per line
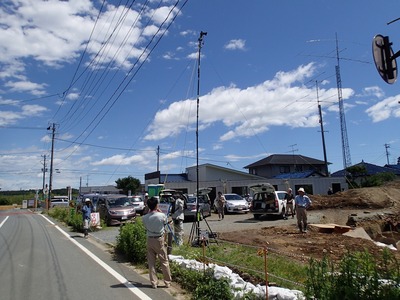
(257, 217)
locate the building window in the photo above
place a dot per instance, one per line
(284, 169)
(299, 169)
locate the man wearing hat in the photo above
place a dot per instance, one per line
(289, 203)
(302, 202)
(86, 211)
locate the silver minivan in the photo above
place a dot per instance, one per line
(204, 204)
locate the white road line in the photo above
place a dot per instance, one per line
(2, 223)
(135, 290)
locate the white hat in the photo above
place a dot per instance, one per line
(301, 190)
(87, 200)
(146, 194)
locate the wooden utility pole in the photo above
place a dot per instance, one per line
(53, 130)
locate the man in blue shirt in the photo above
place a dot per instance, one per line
(86, 211)
(302, 202)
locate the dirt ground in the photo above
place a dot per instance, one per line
(376, 210)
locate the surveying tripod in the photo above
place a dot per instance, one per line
(196, 238)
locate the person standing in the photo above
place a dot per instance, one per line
(220, 203)
(146, 208)
(178, 216)
(289, 197)
(154, 222)
(302, 202)
(86, 211)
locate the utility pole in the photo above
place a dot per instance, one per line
(294, 158)
(387, 146)
(321, 122)
(44, 170)
(158, 158)
(53, 130)
(80, 185)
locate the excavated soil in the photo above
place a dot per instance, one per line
(375, 209)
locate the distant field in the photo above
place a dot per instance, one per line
(5, 207)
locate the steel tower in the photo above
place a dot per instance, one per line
(345, 141)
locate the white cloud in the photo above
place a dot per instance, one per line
(238, 44)
(33, 110)
(26, 86)
(250, 111)
(374, 91)
(9, 117)
(53, 33)
(385, 109)
(117, 160)
(27, 111)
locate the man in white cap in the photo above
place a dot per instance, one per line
(302, 202)
(86, 211)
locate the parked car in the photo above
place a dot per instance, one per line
(59, 201)
(116, 209)
(204, 204)
(94, 198)
(267, 201)
(138, 203)
(166, 200)
(234, 203)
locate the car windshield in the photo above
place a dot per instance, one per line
(191, 199)
(136, 199)
(166, 198)
(281, 195)
(233, 197)
(119, 202)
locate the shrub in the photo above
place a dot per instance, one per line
(131, 241)
(202, 286)
(59, 213)
(359, 276)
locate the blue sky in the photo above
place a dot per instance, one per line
(119, 80)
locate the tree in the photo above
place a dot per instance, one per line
(128, 184)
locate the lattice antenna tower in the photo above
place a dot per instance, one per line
(345, 141)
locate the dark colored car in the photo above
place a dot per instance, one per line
(116, 210)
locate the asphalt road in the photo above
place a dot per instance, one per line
(42, 260)
(231, 222)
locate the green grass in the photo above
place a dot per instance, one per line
(247, 262)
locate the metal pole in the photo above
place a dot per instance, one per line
(53, 129)
(322, 132)
(200, 40)
(44, 175)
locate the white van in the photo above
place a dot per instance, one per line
(57, 201)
